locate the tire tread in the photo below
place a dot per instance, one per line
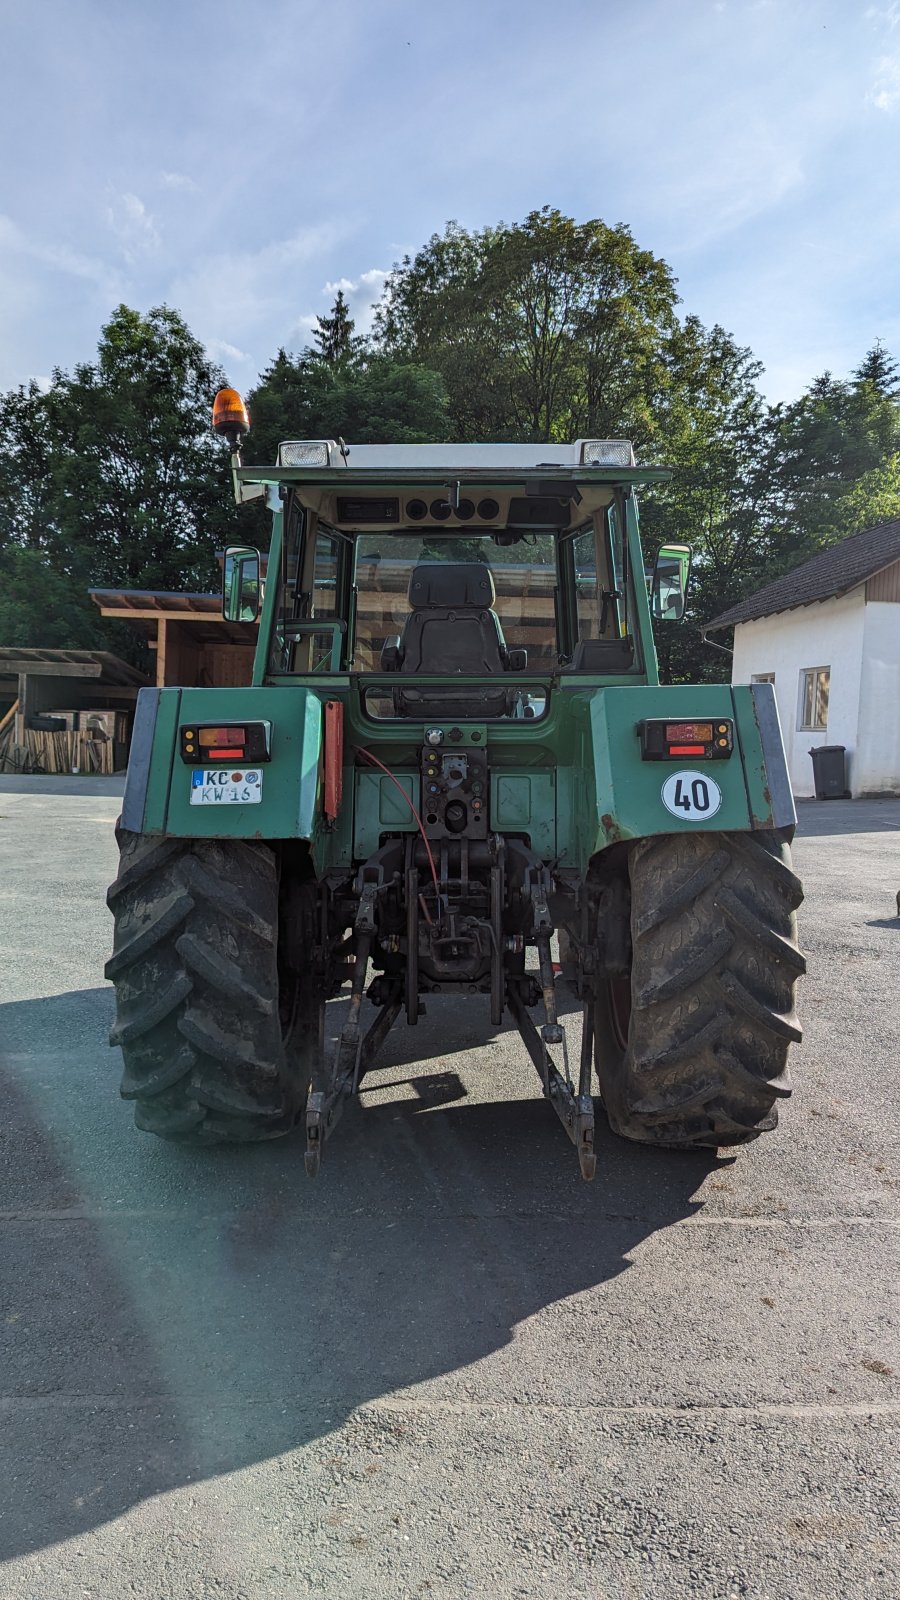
(714, 972)
(195, 970)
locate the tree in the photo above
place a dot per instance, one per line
(714, 429)
(140, 485)
(112, 478)
(41, 605)
(43, 589)
(546, 329)
(874, 498)
(881, 371)
(336, 344)
(26, 467)
(827, 443)
(376, 400)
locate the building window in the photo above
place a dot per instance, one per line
(762, 677)
(813, 711)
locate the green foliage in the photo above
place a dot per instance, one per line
(874, 498)
(759, 489)
(41, 606)
(113, 478)
(714, 431)
(138, 478)
(546, 329)
(372, 400)
(828, 444)
(880, 370)
(336, 344)
(26, 467)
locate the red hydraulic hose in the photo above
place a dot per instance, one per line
(419, 823)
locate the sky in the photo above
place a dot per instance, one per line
(242, 161)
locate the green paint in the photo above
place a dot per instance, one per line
(290, 781)
(525, 802)
(270, 600)
(629, 790)
(642, 602)
(165, 742)
(380, 809)
(572, 781)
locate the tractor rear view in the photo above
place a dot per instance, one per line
(455, 749)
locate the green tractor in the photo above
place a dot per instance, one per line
(455, 748)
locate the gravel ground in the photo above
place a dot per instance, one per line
(448, 1368)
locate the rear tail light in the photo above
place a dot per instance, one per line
(709, 740)
(204, 742)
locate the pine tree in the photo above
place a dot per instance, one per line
(881, 371)
(334, 336)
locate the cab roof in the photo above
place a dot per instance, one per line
(358, 488)
(310, 459)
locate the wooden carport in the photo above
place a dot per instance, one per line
(35, 683)
(194, 644)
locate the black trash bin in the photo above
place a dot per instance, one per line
(830, 772)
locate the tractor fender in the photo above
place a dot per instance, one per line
(636, 797)
(160, 780)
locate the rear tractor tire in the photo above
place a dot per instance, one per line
(218, 1044)
(693, 1051)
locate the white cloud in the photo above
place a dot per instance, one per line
(709, 201)
(179, 180)
(360, 293)
(367, 281)
(131, 222)
(888, 16)
(885, 91)
(220, 348)
(238, 293)
(60, 258)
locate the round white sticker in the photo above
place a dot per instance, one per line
(692, 795)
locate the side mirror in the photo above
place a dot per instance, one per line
(668, 590)
(240, 584)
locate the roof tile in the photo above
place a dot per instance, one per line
(833, 572)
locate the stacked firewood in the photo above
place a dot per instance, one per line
(65, 751)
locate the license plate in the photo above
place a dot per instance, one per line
(220, 786)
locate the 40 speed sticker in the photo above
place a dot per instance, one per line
(691, 795)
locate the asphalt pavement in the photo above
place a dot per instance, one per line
(448, 1368)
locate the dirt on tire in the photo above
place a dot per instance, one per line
(715, 963)
(206, 1029)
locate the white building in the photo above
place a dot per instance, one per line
(828, 636)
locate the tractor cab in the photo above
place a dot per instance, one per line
(510, 563)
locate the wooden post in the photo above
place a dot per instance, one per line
(161, 653)
(19, 724)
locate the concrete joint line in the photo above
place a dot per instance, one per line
(459, 1408)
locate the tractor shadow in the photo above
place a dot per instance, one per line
(169, 1316)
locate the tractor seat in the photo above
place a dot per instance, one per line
(452, 629)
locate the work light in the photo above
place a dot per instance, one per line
(305, 452)
(607, 453)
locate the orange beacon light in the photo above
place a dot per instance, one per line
(230, 416)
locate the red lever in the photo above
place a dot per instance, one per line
(334, 758)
